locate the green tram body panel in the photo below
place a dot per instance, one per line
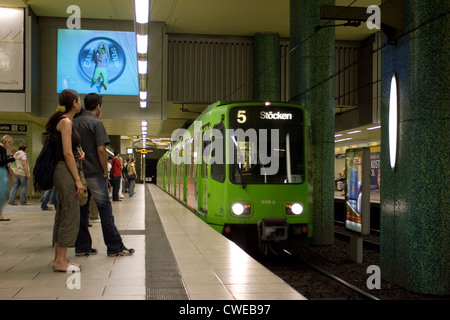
(186, 177)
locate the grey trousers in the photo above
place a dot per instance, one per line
(67, 217)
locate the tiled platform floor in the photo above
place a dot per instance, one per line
(211, 267)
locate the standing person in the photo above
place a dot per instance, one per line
(94, 140)
(6, 143)
(4, 183)
(132, 182)
(125, 175)
(117, 175)
(49, 196)
(21, 176)
(109, 176)
(66, 179)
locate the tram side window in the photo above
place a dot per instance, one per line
(204, 165)
(218, 154)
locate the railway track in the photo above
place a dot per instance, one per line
(311, 280)
(371, 242)
(350, 290)
(323, 274)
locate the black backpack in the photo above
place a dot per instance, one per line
(45, 165)
(125, 172)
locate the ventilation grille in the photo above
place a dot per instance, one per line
(208, 70)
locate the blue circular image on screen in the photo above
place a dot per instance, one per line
(101, 61)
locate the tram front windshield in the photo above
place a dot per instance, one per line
(266, 145)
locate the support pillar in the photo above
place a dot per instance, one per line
(312, 59)
(266, 67)
(415, 198)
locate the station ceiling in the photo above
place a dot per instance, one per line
(219, 17)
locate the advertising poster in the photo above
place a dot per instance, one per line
(357, 195)
(375, 171)
(11, 49)
(97, 61)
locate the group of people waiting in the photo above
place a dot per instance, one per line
(80, 139)
(122, 176)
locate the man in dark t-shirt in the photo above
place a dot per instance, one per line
(94, 140)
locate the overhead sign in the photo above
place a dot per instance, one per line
(143, 150)
(13, 127)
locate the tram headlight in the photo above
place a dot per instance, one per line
(241, 209)
(294, 209)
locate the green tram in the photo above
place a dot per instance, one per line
(245, 169)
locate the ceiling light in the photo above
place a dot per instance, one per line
(142, 10)
(143, 104)
(340, 140)
(338, 135)
(142, 43)
(374, 128)
(142, 67)
(352, 132)
(143, 95)
(144, 123)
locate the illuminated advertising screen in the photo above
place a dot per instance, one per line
(97, 61)
(357, 195)
(11, 49)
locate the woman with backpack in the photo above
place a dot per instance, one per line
(66, 178)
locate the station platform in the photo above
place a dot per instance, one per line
(178, 257)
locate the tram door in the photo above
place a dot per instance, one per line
(204, 173)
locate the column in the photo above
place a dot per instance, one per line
(312, 64)
(266, 67)
(415, 197)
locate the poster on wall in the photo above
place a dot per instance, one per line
(375, 171)
(357, 191)
(11, 49)
(97, 61)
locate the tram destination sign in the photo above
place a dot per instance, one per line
(13, 127)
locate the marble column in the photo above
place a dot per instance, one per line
(415, 197)
(312, 57)
(266, 67)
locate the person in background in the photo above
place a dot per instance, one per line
(6, 143)
(121, 178)
(131, 183)
(49, 196)
(94, 140)
(4, 183)
(109, 165)
(125, 175)
(21, 176)
(66, 179)
(117, 175)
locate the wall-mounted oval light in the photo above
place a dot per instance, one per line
(393, 122)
